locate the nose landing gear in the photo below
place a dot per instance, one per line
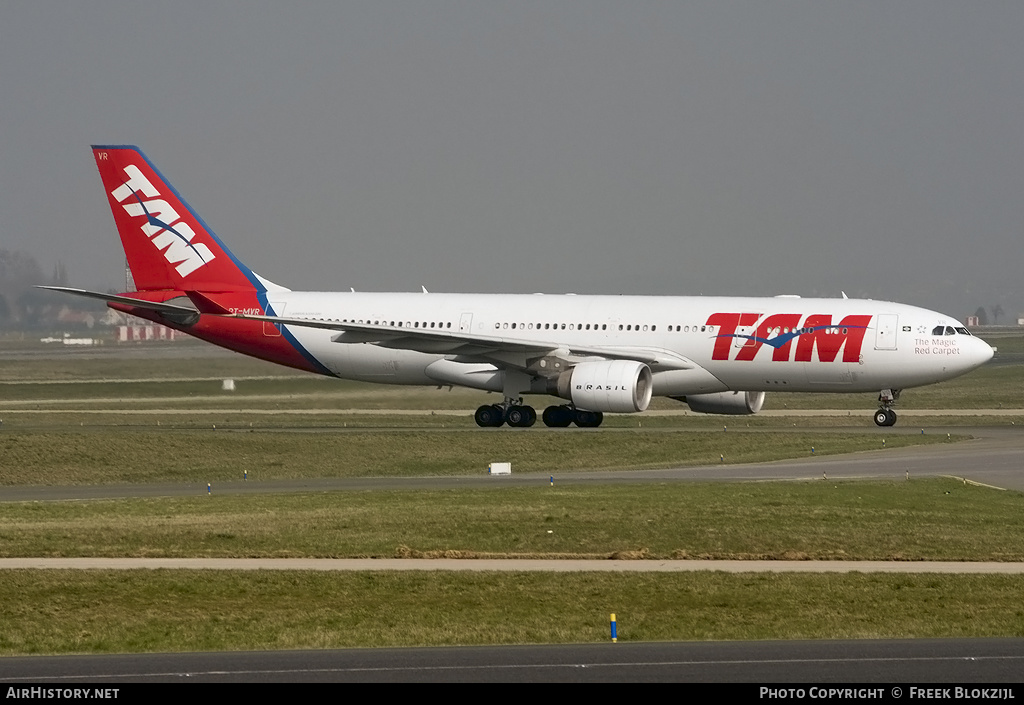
(885, 416)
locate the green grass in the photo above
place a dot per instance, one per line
(187, 358)
(926, 519)
(1007, 341)
(989, 387)
(161, 383)
(151, 611)
(105, 455)
(986, 388)
(113, 611)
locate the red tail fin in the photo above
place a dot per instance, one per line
(167, 244)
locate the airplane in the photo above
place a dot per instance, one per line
(596, 354)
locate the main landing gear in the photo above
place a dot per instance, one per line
(513, 414)
(516, 414)
(885, 416)
(562, 416)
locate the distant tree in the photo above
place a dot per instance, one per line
(982, 316)
(997, 311)
(19, 272)
(60, 275)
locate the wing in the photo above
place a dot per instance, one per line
(530, 356)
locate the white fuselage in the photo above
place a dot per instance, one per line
(710, 344)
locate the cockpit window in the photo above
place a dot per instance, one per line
(963, 331)
(950, 331)
(937, 330)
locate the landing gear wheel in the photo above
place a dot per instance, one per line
(521, 416)
(557, 416)
(588, 419)
(885, 417)
(489, 415)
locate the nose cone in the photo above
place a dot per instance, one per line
(976, 352)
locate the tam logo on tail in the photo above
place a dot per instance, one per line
(164, 227)
(167, 245)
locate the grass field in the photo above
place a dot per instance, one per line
(159, 427)
(136, 611)
(925, 519)
(142, 383)
(104, 455)
(993, 387)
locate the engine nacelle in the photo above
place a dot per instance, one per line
(622, 386)
(735, 403)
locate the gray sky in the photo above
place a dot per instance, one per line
(749, 148)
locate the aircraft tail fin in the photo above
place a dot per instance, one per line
(167, 244)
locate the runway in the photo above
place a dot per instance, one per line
(897, 663)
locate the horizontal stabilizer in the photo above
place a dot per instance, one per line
(206, 305)
(158, 306)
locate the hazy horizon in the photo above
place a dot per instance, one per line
(727, 148)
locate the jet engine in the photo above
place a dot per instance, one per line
(622, 386)
(734, 403)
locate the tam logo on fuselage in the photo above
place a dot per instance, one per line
(817, 334)
(163, 225)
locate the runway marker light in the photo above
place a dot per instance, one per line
(552, 480)
(812, 450)
(721, 458)
(615, 636)
(245, 474)
(209, 488)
